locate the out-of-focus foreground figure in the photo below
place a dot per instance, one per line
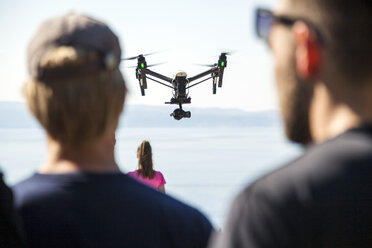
(79, 197)
(10, 235)
(323, 69)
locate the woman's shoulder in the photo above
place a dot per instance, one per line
(159, 176)
(132, 173)
(158, 173)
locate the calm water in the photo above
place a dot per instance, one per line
(205, 167)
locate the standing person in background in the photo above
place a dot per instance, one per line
(323, 70)
(79, 197)
(145, 172)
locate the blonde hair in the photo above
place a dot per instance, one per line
(79, 109)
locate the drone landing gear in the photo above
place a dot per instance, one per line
(142, 90)
(214, 85)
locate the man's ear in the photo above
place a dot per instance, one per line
(307, 53)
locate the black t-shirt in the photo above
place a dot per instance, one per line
(322, 199)
(105, 210)
(9, 228)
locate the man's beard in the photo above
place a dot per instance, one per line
(295, 96)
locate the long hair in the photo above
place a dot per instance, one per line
(145, 168)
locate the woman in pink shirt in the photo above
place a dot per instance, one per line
(145, 173)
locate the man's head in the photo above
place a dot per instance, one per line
(314, 41)
(75, 90)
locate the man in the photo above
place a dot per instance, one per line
(323, 69)
(79, 197)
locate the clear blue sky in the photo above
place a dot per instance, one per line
(190, 32)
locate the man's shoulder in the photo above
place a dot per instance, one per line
(132, 173)
(169, 207)
(345, 157)
(119, 188)
(28, 187)
(125, 201)
(329, 180)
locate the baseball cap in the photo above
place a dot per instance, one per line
(78, 31)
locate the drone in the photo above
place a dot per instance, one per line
(180, 84)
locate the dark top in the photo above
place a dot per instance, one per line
(105, 210)
(9, 230)
(322, 199)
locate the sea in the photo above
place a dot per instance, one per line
(203, 167)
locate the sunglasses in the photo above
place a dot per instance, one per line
(265, 19)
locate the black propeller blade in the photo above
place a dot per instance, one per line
(156, 64)
(207, 65)
(135, 66)
(228, 51)
(131, 58)
(146, 54)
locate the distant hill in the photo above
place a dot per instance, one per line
(149, 116)
(16, 115)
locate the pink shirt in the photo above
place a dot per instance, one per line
(155, 182)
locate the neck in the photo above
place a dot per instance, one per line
(328, 117)
(361, 101)
(97, 156)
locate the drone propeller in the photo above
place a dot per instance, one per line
(156, 64)
(228, 51)
(136, 57)
(131, 58)
(207, 65)
(135, 66)
(146, 54)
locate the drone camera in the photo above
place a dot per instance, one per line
(178, 114)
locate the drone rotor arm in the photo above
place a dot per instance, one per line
(198, 83)
(160, 82)
(157, 75)
(203, 74)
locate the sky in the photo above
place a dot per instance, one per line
(187, 32)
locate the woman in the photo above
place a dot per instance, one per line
(145, 173)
